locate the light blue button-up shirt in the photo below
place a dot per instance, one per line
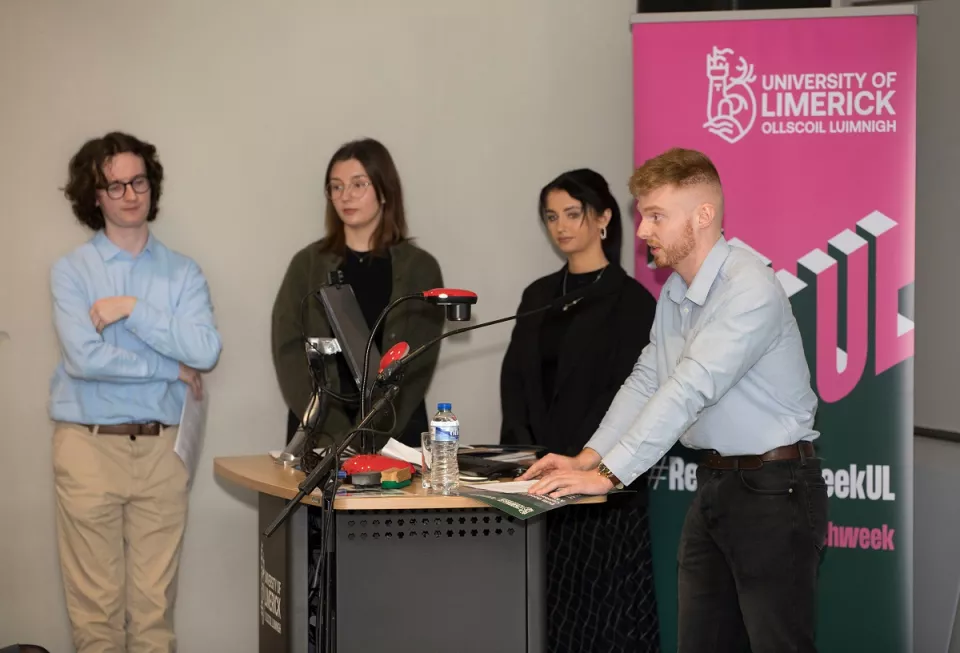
(724, 370)
(129, 373)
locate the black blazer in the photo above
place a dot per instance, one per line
(609, 329)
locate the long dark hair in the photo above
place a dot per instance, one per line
(86, 175)
(592, 191)
(376, 160)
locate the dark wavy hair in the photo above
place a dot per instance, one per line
(592, 191)
(86, 175)
(376, 160)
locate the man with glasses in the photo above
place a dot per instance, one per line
(136, 328)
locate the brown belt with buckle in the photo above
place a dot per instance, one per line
(802, 449)
(150, 428)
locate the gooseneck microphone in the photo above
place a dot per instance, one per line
(387, 374)
(456, 301)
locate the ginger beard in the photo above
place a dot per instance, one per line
(669, 255)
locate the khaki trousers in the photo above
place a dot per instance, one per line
(121, 513)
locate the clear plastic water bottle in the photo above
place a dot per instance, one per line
(445, 435)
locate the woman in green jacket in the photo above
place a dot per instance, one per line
(366, 239)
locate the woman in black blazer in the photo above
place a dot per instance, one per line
(559, 376)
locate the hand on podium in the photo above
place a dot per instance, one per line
(564, 475)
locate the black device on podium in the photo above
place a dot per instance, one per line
(349, 327)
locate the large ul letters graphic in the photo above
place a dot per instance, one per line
(847, 305)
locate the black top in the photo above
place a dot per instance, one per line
(371, 278)
(555, 326)
(596, 343)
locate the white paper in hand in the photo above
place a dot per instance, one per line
(193, 421)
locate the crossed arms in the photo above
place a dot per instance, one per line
(179, 343)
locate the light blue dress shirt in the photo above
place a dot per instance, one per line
(724, 370)
(129, 373)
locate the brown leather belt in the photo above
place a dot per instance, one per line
(150, 428)
(802, 449)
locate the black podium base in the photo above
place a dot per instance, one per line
(470, 580)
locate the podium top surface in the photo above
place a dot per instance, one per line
(262, 474)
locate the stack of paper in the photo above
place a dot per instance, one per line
(506, 487)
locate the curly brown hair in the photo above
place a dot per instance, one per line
(86, 175)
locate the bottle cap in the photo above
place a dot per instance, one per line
(443, 407)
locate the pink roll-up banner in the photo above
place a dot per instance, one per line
(810, 118)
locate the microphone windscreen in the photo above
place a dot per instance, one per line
(443, 296)
(394, 354)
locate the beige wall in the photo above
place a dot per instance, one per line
(481, 103)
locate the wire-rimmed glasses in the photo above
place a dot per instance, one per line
(336, 189)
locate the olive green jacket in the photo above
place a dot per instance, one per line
(415, 322)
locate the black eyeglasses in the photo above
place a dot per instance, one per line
(117, 189)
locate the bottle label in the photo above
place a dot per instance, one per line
(446, 433)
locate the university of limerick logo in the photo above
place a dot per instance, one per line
(731, 104)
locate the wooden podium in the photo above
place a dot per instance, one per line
(412, 572)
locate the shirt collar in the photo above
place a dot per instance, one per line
(108, 250)
(706, 275)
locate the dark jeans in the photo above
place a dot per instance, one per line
(749, 559)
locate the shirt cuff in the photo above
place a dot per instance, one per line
(629, 466)
(169, 369)
(602, 441)
(141, 318)
(620, 461)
